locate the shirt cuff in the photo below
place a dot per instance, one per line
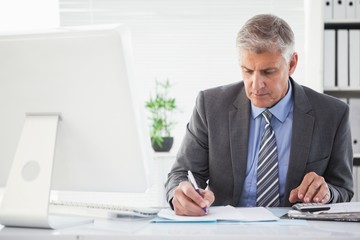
(331, 195)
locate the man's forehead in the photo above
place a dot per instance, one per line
(262, 64)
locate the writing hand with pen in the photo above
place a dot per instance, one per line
(189, 200)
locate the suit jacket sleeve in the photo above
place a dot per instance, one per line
(339, 169)
(193, 153)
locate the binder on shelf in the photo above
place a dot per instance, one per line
(354, 104)
(328, 9)
(354, 58)
(339, 9)
(357, 7)
(342, 58)
(329, 58)
(350, 9)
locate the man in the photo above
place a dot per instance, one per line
(306, 134)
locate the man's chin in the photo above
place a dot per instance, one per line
(261, 103)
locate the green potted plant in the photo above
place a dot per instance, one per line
(161, 107)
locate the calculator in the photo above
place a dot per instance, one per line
(311, 207)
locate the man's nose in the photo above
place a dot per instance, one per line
(257, 81)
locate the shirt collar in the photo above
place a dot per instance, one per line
(279, 110)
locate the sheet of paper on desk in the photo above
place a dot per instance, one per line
(346, 212)
(344, 207)
(224, 213)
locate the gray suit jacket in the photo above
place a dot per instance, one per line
(215, 146)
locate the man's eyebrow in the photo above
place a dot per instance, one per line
(264, 69)
(246, 68)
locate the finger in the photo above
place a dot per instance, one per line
(304, 186)
(190, 208)
(313, 189)
(327, 198)
(190, 192)
(208, 197)
(323, 194)
(293, 198)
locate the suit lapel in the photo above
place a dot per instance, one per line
(302, 130)
(239, 127)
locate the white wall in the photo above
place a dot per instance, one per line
(314, 41)
(28, 15)
(192, 42)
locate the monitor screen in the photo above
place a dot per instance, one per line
(86, 75)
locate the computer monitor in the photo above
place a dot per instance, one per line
(86, 77)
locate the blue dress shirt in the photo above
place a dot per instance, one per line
(281, 122)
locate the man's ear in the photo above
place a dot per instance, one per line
(293, 63)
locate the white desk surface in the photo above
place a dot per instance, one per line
(143, 229)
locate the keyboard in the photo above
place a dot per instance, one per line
(101, 210)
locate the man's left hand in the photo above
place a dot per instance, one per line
(313, 188)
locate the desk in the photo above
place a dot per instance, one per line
(142, 229)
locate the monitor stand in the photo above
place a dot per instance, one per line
(26, 197)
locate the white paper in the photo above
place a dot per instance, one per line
(224, 213)
(344, 207)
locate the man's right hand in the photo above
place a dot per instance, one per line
(187, 202)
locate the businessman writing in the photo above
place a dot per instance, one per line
(265, 141)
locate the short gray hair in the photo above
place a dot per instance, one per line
(266, 32)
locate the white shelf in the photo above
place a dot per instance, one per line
(341, 21)
(342, 89)
(162, 155)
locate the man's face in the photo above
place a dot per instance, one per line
(266, 76)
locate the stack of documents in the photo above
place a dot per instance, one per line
(348, 212)
(223, 213)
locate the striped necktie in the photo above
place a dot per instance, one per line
(267, 194)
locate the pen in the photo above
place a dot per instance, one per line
(193, 182)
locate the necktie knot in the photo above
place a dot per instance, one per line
(267, 116)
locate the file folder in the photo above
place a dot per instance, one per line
(328, 9)
(350, 9)
(342, 58)
(339, 11)
(329, 59)
(354, 58)
(354, 104)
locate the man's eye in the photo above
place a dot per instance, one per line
(268, 72)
